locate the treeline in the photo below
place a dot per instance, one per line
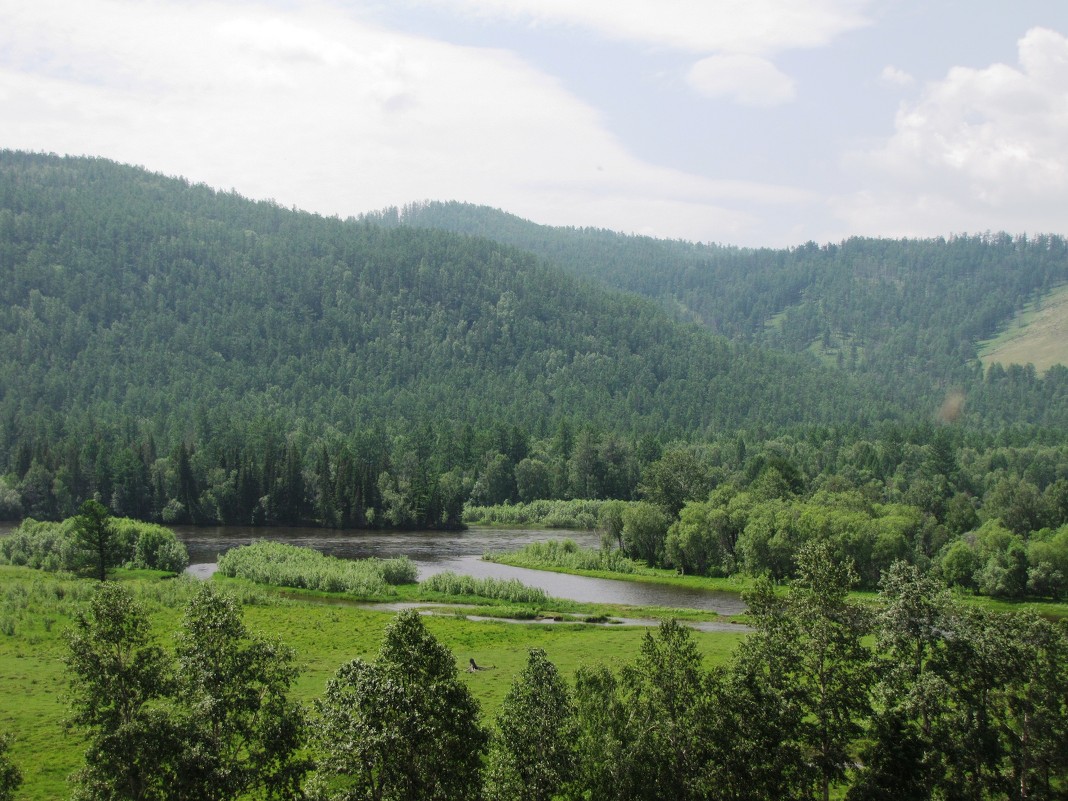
(946, 702)
(907, 315)
(985, 510)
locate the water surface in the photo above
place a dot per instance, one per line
(460, 552)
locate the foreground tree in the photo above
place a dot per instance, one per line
(646, 734)
(118, 683)
(807, 651)
(899, 758)
(401, 728)
(242, 732)
(217, 727)
(532, 755)
(10, 775)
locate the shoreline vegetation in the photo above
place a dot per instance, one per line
(565, 556)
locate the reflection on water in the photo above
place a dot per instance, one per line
(460, 552)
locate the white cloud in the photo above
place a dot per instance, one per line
(749, 80)
(737, 36)
(318, 109)
(736, 26)
(982, 147)
(896, 77)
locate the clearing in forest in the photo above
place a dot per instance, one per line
(1037, 335)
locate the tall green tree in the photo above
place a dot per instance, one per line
(119, 682)
(645, 735)
(401, 728)
(808, 646)
(532, 753)
(242, 731)
(95, 534)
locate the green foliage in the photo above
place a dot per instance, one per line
(94, 534)
(1047, 554)
(677, 477)
(240, 731)
(10, 775)
(702, 541)
(56, 546)
(291, 566)
(449, 583)
(147, 327)
(401, 728)
(532, 753)
(567, 554)
(644, 530)
(967, 703)
(807, 649)
(906, 315)
(573, 514)
(212, 723)
(118, 683)
(971, 702)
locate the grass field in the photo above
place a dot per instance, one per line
(36, 608)
(1038, 335)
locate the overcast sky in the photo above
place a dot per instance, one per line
(747, 122)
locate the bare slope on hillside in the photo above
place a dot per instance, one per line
(1038, 335)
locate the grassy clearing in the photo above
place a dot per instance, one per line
(326, 631)
(1037, 335)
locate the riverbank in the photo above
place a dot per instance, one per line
(649, 575)
(735, 585)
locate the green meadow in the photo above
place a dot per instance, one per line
(325, 630)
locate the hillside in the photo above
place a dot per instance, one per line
(907, 316)
(1036, 335)
(248, 346)
(125, 292)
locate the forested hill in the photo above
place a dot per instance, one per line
(132, 298)
(905, 315)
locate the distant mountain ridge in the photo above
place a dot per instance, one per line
(907, 315)
(128, 296)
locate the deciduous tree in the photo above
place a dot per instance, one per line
(401, 728)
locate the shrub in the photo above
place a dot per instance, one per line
(303, 568)
(511, 590)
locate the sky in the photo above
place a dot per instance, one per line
(740, 122)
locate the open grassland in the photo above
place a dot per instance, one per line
(326, 632)
(1038, 335)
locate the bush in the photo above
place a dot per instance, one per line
(303, 568)
(575, 514)
(568, 555)
(511, 590)
(158, 549)
(52, 546)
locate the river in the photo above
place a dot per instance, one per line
(460, 552)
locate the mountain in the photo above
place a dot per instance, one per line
(906, 316)
(189, 354)
(127, 294)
